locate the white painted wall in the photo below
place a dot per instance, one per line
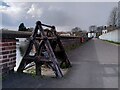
(112, 36)
(104, 31)
(91, 35)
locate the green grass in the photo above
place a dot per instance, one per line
(118, 43)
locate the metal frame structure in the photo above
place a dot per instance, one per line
(45, 44)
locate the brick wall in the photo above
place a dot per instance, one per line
(7, 55)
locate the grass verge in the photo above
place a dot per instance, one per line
(117, 43)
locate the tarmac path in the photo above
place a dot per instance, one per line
(94, 65)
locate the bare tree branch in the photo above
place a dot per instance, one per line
(113, 17)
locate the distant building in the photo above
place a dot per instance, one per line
(110, 28)
(93, 28)
(64, 33)
(100, 28)
(104, 31)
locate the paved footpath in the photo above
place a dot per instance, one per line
(95, 65)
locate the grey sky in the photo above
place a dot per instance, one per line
(65, 16)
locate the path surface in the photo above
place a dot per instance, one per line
(95, 65)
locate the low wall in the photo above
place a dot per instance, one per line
(7, 55)
(8, 47)
(70, 43)
(112, 36)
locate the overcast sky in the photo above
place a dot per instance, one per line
(64, 15)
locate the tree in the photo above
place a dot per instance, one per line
(76, 31)
(113, 17)
(92, 28)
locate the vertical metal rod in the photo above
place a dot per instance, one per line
(53, 58)
(38, 68)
